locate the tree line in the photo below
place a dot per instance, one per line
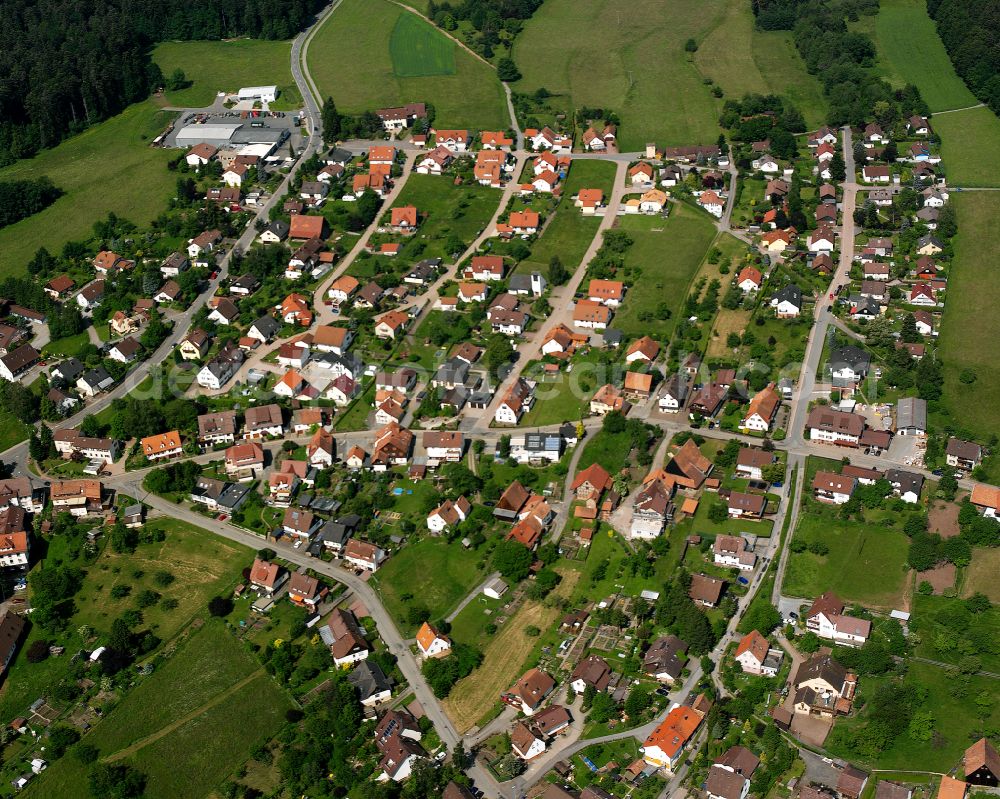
(67, 64)
(20, 199)
(969, 30)
(839, 57)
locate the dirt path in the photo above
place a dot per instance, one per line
(160, 733)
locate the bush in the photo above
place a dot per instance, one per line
(38, 651)
(86, 753)
(220, 606)
(120, 591)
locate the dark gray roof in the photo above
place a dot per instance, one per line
(904, 481)
(69, 370)
(852, 356)
(790, 293)
(368, 679)
(268, 326)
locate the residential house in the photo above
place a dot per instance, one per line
(217, 428)
(750, 462)
(756, 656)
(823, 687)
(530, 691)
(262, 421)
(664, 660)
(833, 488)
(163, 445)
(762, 411)
(664, 747)
(827, 619)
(267, 577)
(960, 454)
(516, 402)
(731, 551)
(363, 555)
(591, 672)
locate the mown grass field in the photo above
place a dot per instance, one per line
(188, 726)
(418, 49)
(743, 60)
(981, 574)
(435, 574)
(351, 58)
(109, 167)
(12, 430)
(970, 147)
(628, 58)
(212, 67)
(910, 47)
(968, 339)
(569, 233)
(865, 562)
(686, 235)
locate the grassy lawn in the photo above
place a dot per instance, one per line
(109, 167)
(865, 563)
(67, 347)
(227, 66)
(567, 396)
(908, 43)
(203, 566)
(209, 724)
(360, 57)
(436, 574)
(625, 57)
(570, 233)
(967, 340)
(461, 211)
(955, 725)
(743, 60)
(687, 236)
(611, 450)
(12, 430)
(970, 147)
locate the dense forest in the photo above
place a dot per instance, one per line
(20, 199)
(497, 21)
(839, 57)
(69, 63)
(970, 30)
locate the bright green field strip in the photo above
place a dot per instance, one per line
(968, 330)
(12, 430)
(109, 167)
(907, 39)
(865, 562)
(627, 57)
(419, 49)
(227, 66)
(668, 251)
(743, 60)
(352, 59)
(570, 233)
(970, 146)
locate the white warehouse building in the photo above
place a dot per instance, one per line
(266, 94)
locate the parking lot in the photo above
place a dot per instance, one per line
(255, 126)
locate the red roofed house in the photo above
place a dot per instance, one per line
(308, 227)
(755, 655)
(267, 576)
(665, 744)
(431, 643)
(591, 482)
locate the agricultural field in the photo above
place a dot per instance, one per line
(865, 562)
(209, 724)
(912, 52)
(430, 573)
(686, 235)
(569, 233)
(967, 340)
(627, 58)
(109, 167)
(970, 147)
(744, 60)
(372, 53)
(212, 67)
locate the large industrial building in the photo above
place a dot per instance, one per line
(232, 136)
